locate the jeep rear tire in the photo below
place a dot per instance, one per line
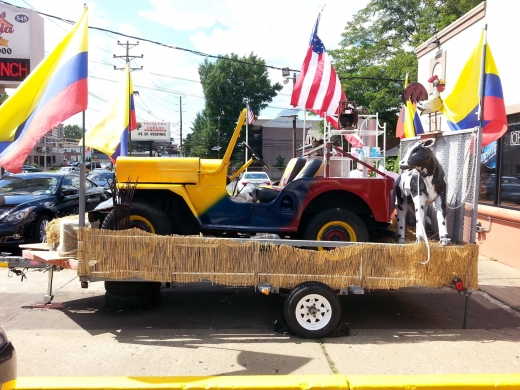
(144, 217)
(336, 225)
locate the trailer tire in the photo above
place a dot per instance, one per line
(126, 288)
(132, 302)
(312, 309)
(144, 217)
(336, 225)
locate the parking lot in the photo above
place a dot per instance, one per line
(205, 330)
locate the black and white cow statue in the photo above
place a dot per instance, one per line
(421, 183)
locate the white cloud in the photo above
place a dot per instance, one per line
(277, 31)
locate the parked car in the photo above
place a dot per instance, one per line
(93, 165)
(73, 164)
(509, 188)
(69, 169)
(7, 362)
(101, 177)
(30, 168)
(252, 180)
(31, 200)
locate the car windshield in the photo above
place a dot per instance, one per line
(256, 176)
(12, 185)
(99, 176)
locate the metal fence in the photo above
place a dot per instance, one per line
(456, 152)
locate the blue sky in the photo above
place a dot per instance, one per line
(276, 30)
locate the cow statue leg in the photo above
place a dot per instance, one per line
(402, 209)
(440, 207)
(419, 202)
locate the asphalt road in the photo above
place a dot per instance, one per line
(204, 330)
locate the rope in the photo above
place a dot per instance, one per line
(422, 223)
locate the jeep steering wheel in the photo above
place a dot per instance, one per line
(254, 155)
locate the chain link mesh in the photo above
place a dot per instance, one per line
(456, 153)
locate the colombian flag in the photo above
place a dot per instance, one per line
(111, 134)
(409, 124)
(412, 123)
(462, 105)
(52, 93)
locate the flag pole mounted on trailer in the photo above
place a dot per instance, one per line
(478, 152)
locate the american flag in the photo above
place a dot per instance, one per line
(317, 87)
(251, 117)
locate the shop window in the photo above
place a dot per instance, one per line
(509, 194)
(500, 170)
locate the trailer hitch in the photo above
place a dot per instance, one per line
(17, 272)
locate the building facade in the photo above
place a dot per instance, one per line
(445, 55)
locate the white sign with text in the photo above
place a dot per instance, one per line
(152, 131)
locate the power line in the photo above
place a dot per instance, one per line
(199, 53)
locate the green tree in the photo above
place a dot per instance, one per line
(280, 162)
(3, 98)
(202, 138)
(73, 132)
(227, 84)
(377, 49)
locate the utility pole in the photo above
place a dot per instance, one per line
(180, 124)
(181, 150)
(286, 74)
(218, 138)
(128, 58)
(294, 124)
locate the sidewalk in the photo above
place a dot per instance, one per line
(500, 281)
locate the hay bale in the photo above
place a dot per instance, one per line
(62, 234)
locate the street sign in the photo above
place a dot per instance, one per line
(152, 131)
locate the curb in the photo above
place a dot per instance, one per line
(287, 382)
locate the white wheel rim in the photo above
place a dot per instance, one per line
(43, 232)
(313, 312)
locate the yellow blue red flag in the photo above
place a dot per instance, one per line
(399, 129)
(111, 134)
(52, 93)
(462, 105)
(412, 123)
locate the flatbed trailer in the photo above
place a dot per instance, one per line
(312, 279)
(134, 263)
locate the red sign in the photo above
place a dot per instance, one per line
(13, 69)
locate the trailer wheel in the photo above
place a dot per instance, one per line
(336, 225)
(312, 309)
(144, 217)
(126, 288)
(132, 302)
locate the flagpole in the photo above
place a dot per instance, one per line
(303, 131)
(247, 129)
(82, 179)
(130, 117)
(478, 152)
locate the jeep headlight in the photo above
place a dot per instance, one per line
(19, 215)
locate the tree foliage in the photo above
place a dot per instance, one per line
(3, 98)
(227, 84)
(377, 49)
(73, 132)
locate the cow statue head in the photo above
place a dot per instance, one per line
(417, 155)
